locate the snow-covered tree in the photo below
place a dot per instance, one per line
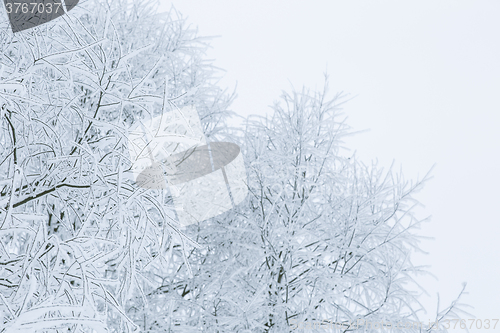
(336, 235)
(323, 242)
(77, 237)
(321, 238)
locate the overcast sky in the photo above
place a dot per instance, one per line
(426, 77)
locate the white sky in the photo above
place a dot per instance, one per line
(427, 79)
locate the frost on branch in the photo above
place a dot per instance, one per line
(78, 240)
